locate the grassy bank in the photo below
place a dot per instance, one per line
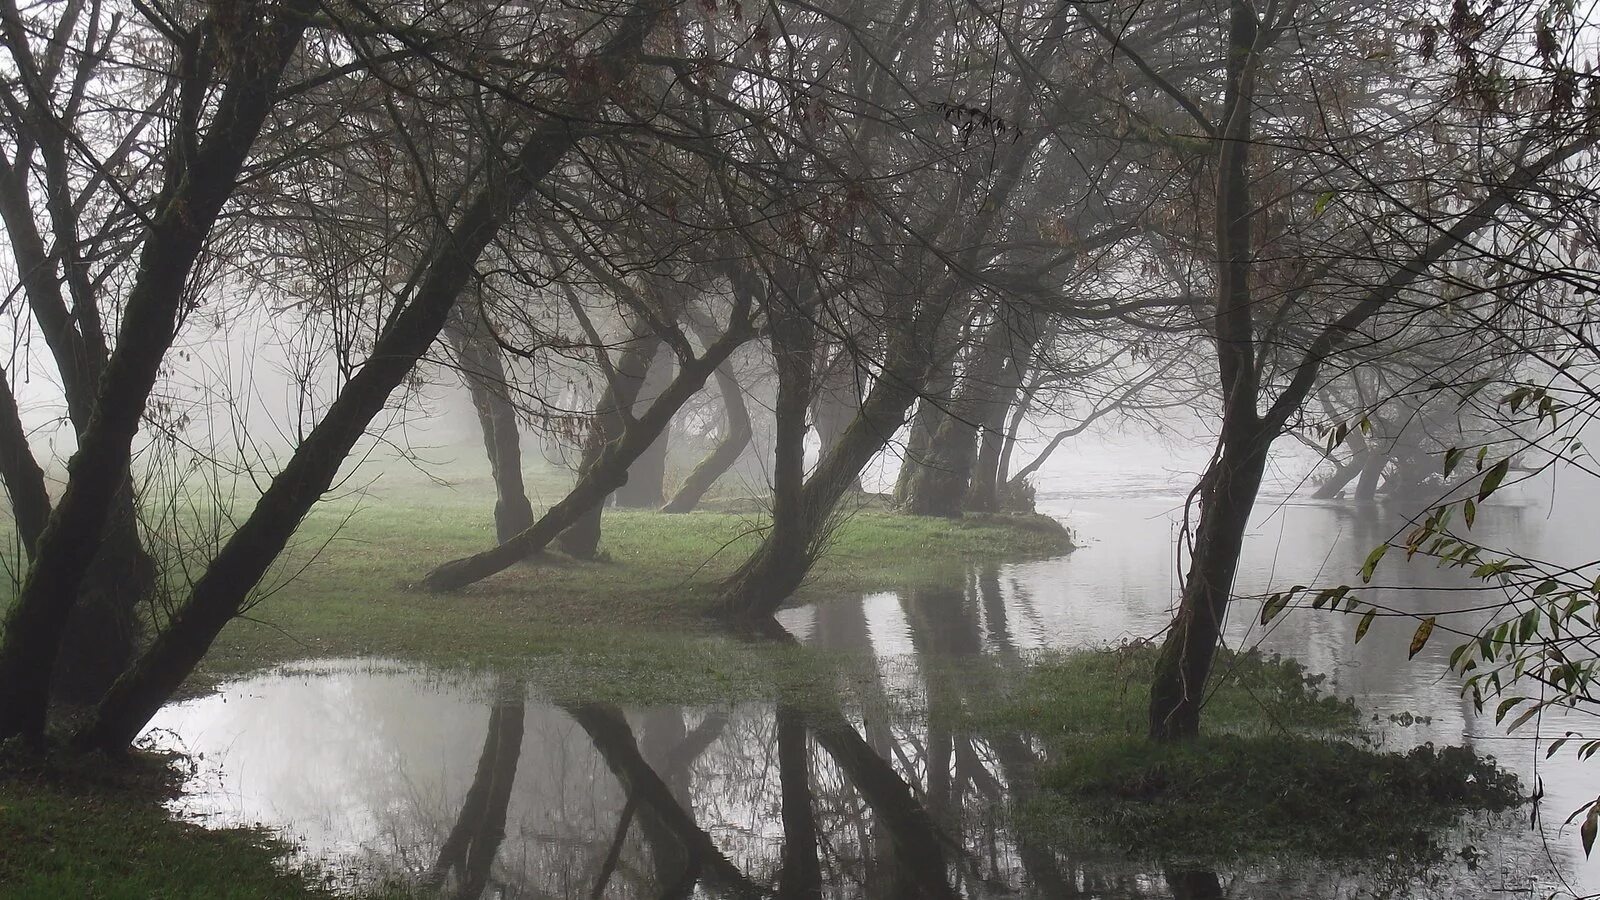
(95, 831)
(1282, 771)
(345, 588)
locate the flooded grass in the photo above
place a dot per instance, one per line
(1284, 770)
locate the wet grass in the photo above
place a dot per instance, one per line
(346, 589)
(1282, 771)
(83, 828)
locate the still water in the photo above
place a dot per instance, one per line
(474, 786)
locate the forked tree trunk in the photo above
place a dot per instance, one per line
(988, 473)
(609, 470)
(103, 630)
(736, 434)
(611, 418)
(770, 575)
(216, 597)
(97, 474)
(939, 485)
(483, 370)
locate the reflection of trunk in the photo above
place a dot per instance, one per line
(800, 873)
(614, 740)
(215, 598)
(484, 372)
(1227, 494)
(611, 419)
(647, 477)
(470, 849)
(610, 469)
(919, 848)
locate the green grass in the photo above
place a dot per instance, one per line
(95, 831)
(346, 589)
(1282, 771)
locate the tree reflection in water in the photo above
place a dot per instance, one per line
(861, 795)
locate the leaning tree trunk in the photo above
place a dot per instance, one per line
(216, 597)
(1227, 495)
(735, 437)
(646, 487)
(483, 369)
(769, 576)
(187, 206)
(611, 418)
(606, 474)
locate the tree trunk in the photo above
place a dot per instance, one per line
(836, 402)
(103, 629)
(483, 370)
(938, 487)
(1227, 495)
(234, 572)
(929, 416)
(609, 470)
(736, 436)
(983, 491)
(24, 480)
(770, 575)
(97, 474)
(647, 477)
(611, 419)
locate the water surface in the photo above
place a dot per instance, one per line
(477, 786)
